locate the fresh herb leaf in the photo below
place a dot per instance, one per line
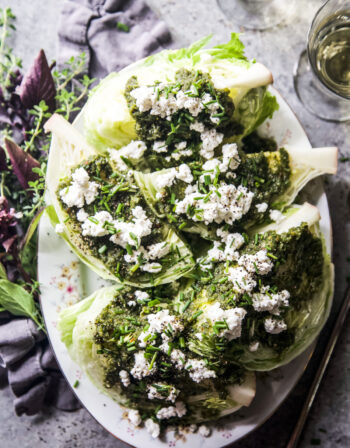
(38, 84)
(15, 299)
(22, 163)
(123, 27)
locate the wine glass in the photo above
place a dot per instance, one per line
(322, 74)
(256, 14)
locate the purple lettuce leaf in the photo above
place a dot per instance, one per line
(22, 163)
(3, 164)
(38, 84)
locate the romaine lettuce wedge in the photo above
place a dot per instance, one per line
(82, 329)
(108, 122)
(69, 151)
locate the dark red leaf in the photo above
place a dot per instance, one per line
(3, 164)
(8, 243)
(22, 163)
(38, 84)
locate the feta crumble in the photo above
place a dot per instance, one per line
(198, 371)
(160, 146)
(233, 318)
(59, 228)
(134, 417)
(141, 296)
(253, 347)
(82, 215)
(179, 410)
(95, 226)
(133, 151)
(185, 174)
(276, 215)
(227, 248)
(261, 208)
(225, 203)
(211, 139)
(152, 428)
(158, 250)
(80, 191)
(204, 431)
(242, 280)
(154, 394)
(259, 262)
(124, 378)
(159, 322)
(270, 302)
(274, 326)
(141, 367)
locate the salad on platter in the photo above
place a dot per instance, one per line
(164, 186)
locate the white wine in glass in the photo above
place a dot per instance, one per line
(322, 76)
(256, 14)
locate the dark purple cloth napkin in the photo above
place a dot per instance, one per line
(26, 359)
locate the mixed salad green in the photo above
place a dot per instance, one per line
(167, 189)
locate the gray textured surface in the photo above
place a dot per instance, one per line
(278, 49)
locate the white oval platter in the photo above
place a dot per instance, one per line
(65, 280)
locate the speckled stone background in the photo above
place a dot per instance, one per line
(279, 48)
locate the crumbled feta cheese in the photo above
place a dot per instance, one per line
(124, 378)
(131, 303)
(152, 267)
(259, 262)
(158, 250)
(176, 155)
(152, 428)
(133, 151)
(165, 179)
(144, 97)
(141, 296)
(241, 279)
(210, 140)
(160, 146)
(198, 371)
(233, 318)
(181, 145)
(59, 228)
(274, 326)
(140, 227)
(141, 367)
(197, 126)
(193, 427)
(226, 203)
(82, 215)
(261, 208)
(134, 417)
(234, 240)
(95, 226)
(270, 302)
(204, 431)
(179, 410)
(159, 322)
(171, 392)
(253, 347)
(80, 190)
(230, 157)
(228, 250)
(178, 358)
(184, 174)
(193, 104)
(276, 215)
